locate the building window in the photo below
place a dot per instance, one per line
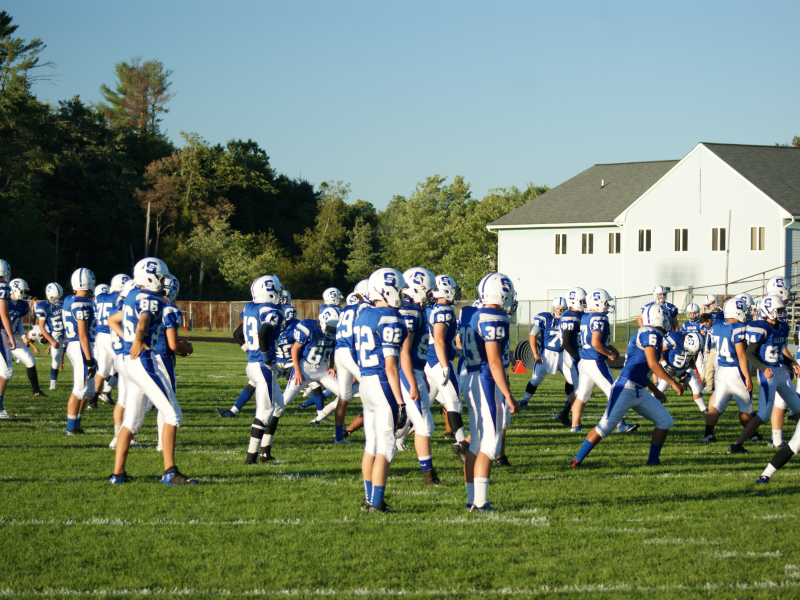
(587, 243)
(614, 242)
(718, 240)
(561, 243)
(757, 235)
(681, 240)
(644, 240)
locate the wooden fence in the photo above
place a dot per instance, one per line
(224, 316)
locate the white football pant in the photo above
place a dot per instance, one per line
(446, 394)
(776, 391)
(486, 416)
(23, 354)
(311, 374)
(380, 416)
(346, 369)
(729, 383)
(626, 395)
(419, 413)
(6, 360)
(82, 384)
(694, 383)
(593, 373)
(267, 390)
(146, 377)
(104, 354)
(555, 362)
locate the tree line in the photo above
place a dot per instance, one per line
(101, 185)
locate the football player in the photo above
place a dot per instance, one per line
(379, 333)
(548, 354)
(469, 365)
(660, 299)
(693, 325)
(18, 308)
(441, 323)
(262, 321)
(7, 342)
(331, 297)
(628, 392)
(767, 338)
(570, 325)
(490, 396)
(138, 322)
(105, 303)
(732, 373)
(679, 352)
(711, 308)
(117, 345)
(78, 315)
(345, 358)
(49, 313)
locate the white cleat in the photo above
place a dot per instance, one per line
(159, 448)
(53, 384)
(401, 445)
(4, 415)
(342, 441)
(134, 444)
(113, 443)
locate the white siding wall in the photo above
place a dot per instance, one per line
(528, 257)
(792, 248)
(697, 196)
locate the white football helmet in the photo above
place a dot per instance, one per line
(653, 316)
(20, 289)
(778, 286)
(117, 281)
(477, 304)
(496, 288)
(171, 287)
(129, 285)
(576, 299)
(266, 288)
(35, 335)
(328, 319)
(5, 269)
(712, 301)
(599, 301)
(149, 274)
(660, 294)
(82, 280)
(352, 299)
(691, 343)
(362, 289)
(289, 312)
(332, 297)
(286, 297)
(420, 282)
(735, 309)
(385, 285)
(54, 293)
(558, 306)
(693, 312)
(747, 300)
(101, 289)
(446, 287)
(772, 307)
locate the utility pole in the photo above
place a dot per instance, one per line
(55, 268)
(727, 251)
(147, 234)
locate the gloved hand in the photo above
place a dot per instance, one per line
(91, 369)
(402, 417)
(445, 376)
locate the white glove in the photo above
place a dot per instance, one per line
(445, 375)
(244, 347)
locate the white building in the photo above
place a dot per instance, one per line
(629, 227)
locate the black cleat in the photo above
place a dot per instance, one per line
(92, 404)
(39, 394)
(381, 508)
(449, 435)
(460, 449)
(562, 418)
(106, 399)
(431, 478)
(176, 478)
(346, 433)
(365, 505)
(266, 457)
(755, 438)
(502, 461)
(737, 449)
(251, 459)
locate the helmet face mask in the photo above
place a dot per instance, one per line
(328, 319)
(172, 288)
(558, 306)
(54, 294)
(693, 313)
(773, 308)
(421, 283)
(286, 297)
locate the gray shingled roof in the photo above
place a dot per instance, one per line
(582, 200)
(775, 170)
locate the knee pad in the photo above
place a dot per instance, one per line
(530, 388)
(568, 389)
(604, 427)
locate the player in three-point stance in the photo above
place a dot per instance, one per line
(570, 325)
(18, 308)
(630, 389)
(7, 342)
(344, 356)
(138, 323)
(490, 395)
(680, 351)
(379, 333)
(732, 374)
(693, 325)
(105, 305)
(548, 354)
(49, 314)
(78, 315)
(766, 349)
(660, 299)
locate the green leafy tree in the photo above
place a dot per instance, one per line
(361, 257)
(20, 60)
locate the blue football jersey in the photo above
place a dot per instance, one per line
(105, 306)
(414, 318)
(671, 309)
(344, 328)
(5, 294)
(336, 307)
(492, 325)
(138, 303)
(172, 318)
(725, 336)
(550, 337)
(77, 309)
(591, 322)
(693, 327)
(117, 343)
(17, 309)
(570, 325)
(470, 356)
(379, 332)
(283, 347)
(772, 340)
(254, 315)
(718, 316)
(445, 314)
(52, 315)
(636, 368)
(317, 345)
(676, 355)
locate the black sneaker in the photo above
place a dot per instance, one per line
(431, 478)
(755, 438)
(176, 478)
(486, 508)
(92, 404)
(502, 461)
(365, 505)
(562, 418)
(106, 399)
(381, 508)
(266, 457)
(346, 433)
(737, 449)
(251, 459)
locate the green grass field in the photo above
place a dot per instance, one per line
(696, 527)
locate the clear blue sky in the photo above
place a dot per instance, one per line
(383, 94)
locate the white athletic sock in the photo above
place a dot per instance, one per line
(769, 471)
(701, 404)
(460, 435)
(160, 423)
(470, 493)
(266, 440)
(234, 410)
(329, 408)
(777, 437)
(481, 487)
(116, 430)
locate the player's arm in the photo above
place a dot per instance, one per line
(533, 338)
(181, 347)
(744, 367)
(263, 337)
(752, 358)
(7, 323)
(791, 361)
(651, 354)
(439, 334)
(597, 344)
(297, 378)
(115, 323)
(639, 320)
(393, 376)
(408, 368)
(238, 335)
(566, 343)
(138, 344)
(675, 324)
(495, 360)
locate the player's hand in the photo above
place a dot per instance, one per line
(12, 342)
(749, 383)
(677, 387)
(445, 376)
(91, 369)
(137, 347)
(513, 405)
(413, 392)
(402, 417)
(537, 359)
(297, 378)
(796, 369)
(244, 347)
(47, 351)
(614, 353)
(54, 344)
(660, 396)
(34, 348)
(768, 373)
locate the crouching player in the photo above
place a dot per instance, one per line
(644, 351)
(490, 391)
(379, 333)
(680, 352)
(137, 323)
(18, 308)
